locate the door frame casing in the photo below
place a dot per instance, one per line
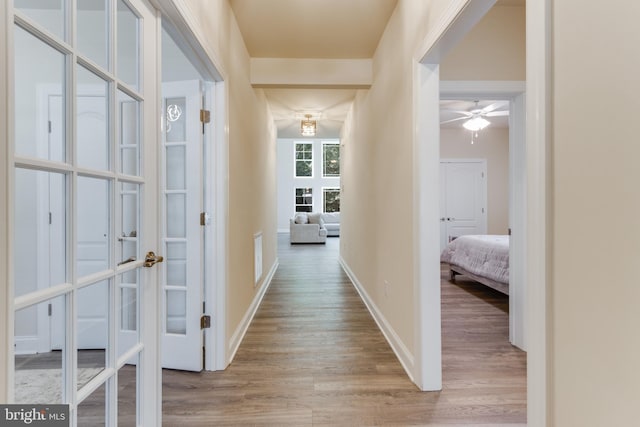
(457, 20)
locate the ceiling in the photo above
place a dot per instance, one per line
(340, 29)
(336, 29)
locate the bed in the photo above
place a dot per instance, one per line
(483, 258)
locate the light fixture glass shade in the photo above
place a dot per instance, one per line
(308, 126)
(476, 123)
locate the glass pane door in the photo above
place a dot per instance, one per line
(85, 208)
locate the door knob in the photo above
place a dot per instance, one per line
(442, 219)
(150, 259)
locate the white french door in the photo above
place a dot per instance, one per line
(85, 203)
(463, 189)
(182, 239)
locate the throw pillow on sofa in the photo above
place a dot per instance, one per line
(301, 218)
(316, 218)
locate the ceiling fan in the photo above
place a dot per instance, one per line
(476, 117)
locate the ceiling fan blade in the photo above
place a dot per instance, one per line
(494, 106)
(464, 113)
(454, 120)
(497, 113)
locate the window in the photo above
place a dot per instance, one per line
(331, 199)
(304, 160)
(330, 159)
(304, 199)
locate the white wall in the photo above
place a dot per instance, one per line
(287, 182)
(594, 309)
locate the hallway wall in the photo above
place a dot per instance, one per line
(252, 159)
(594, 344)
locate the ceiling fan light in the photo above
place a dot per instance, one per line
(475, 124)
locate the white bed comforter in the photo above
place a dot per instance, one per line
(483, 255)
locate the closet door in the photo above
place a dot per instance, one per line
(463, 198)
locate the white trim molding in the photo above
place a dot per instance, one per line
(241, 330)
(402, 352)
(538, 110)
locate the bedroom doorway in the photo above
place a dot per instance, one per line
(458, 22)
(501, 144)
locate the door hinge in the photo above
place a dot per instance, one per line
(204, 218)
(50, 309)
(205, 321)
(509, 231)
(482, 174)
(49, 126)
(205, 116)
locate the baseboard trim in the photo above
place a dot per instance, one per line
(401, 351)
(241, 330)
(26, 344)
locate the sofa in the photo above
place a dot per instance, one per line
(307, 228)
(332, 223)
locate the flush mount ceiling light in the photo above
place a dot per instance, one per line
(308, 126)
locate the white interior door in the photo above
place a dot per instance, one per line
(464, 186)
(77, 193)
(182, 195)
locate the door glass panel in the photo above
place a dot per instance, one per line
(129, 120)
(176, 167)
(176, 312)
(92, 120)
(176, 130)
(92, 31)
(127, 395)
(93, 225)
(176, 215)
(176, 263)
(127, 45)
(128, 311)
(39, 353)
(92, 411)
(39, 115)
(39, 230)
(129, 197)
(92, 325)
(47, 13)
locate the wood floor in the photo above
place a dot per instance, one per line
(314, 356)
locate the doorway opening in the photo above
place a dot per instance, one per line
(193, 164)
(458, 21)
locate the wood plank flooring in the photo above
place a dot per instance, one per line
(313, 356)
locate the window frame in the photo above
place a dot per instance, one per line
(325, 144)
(324, 198)
(296, 160)
(295, 198)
